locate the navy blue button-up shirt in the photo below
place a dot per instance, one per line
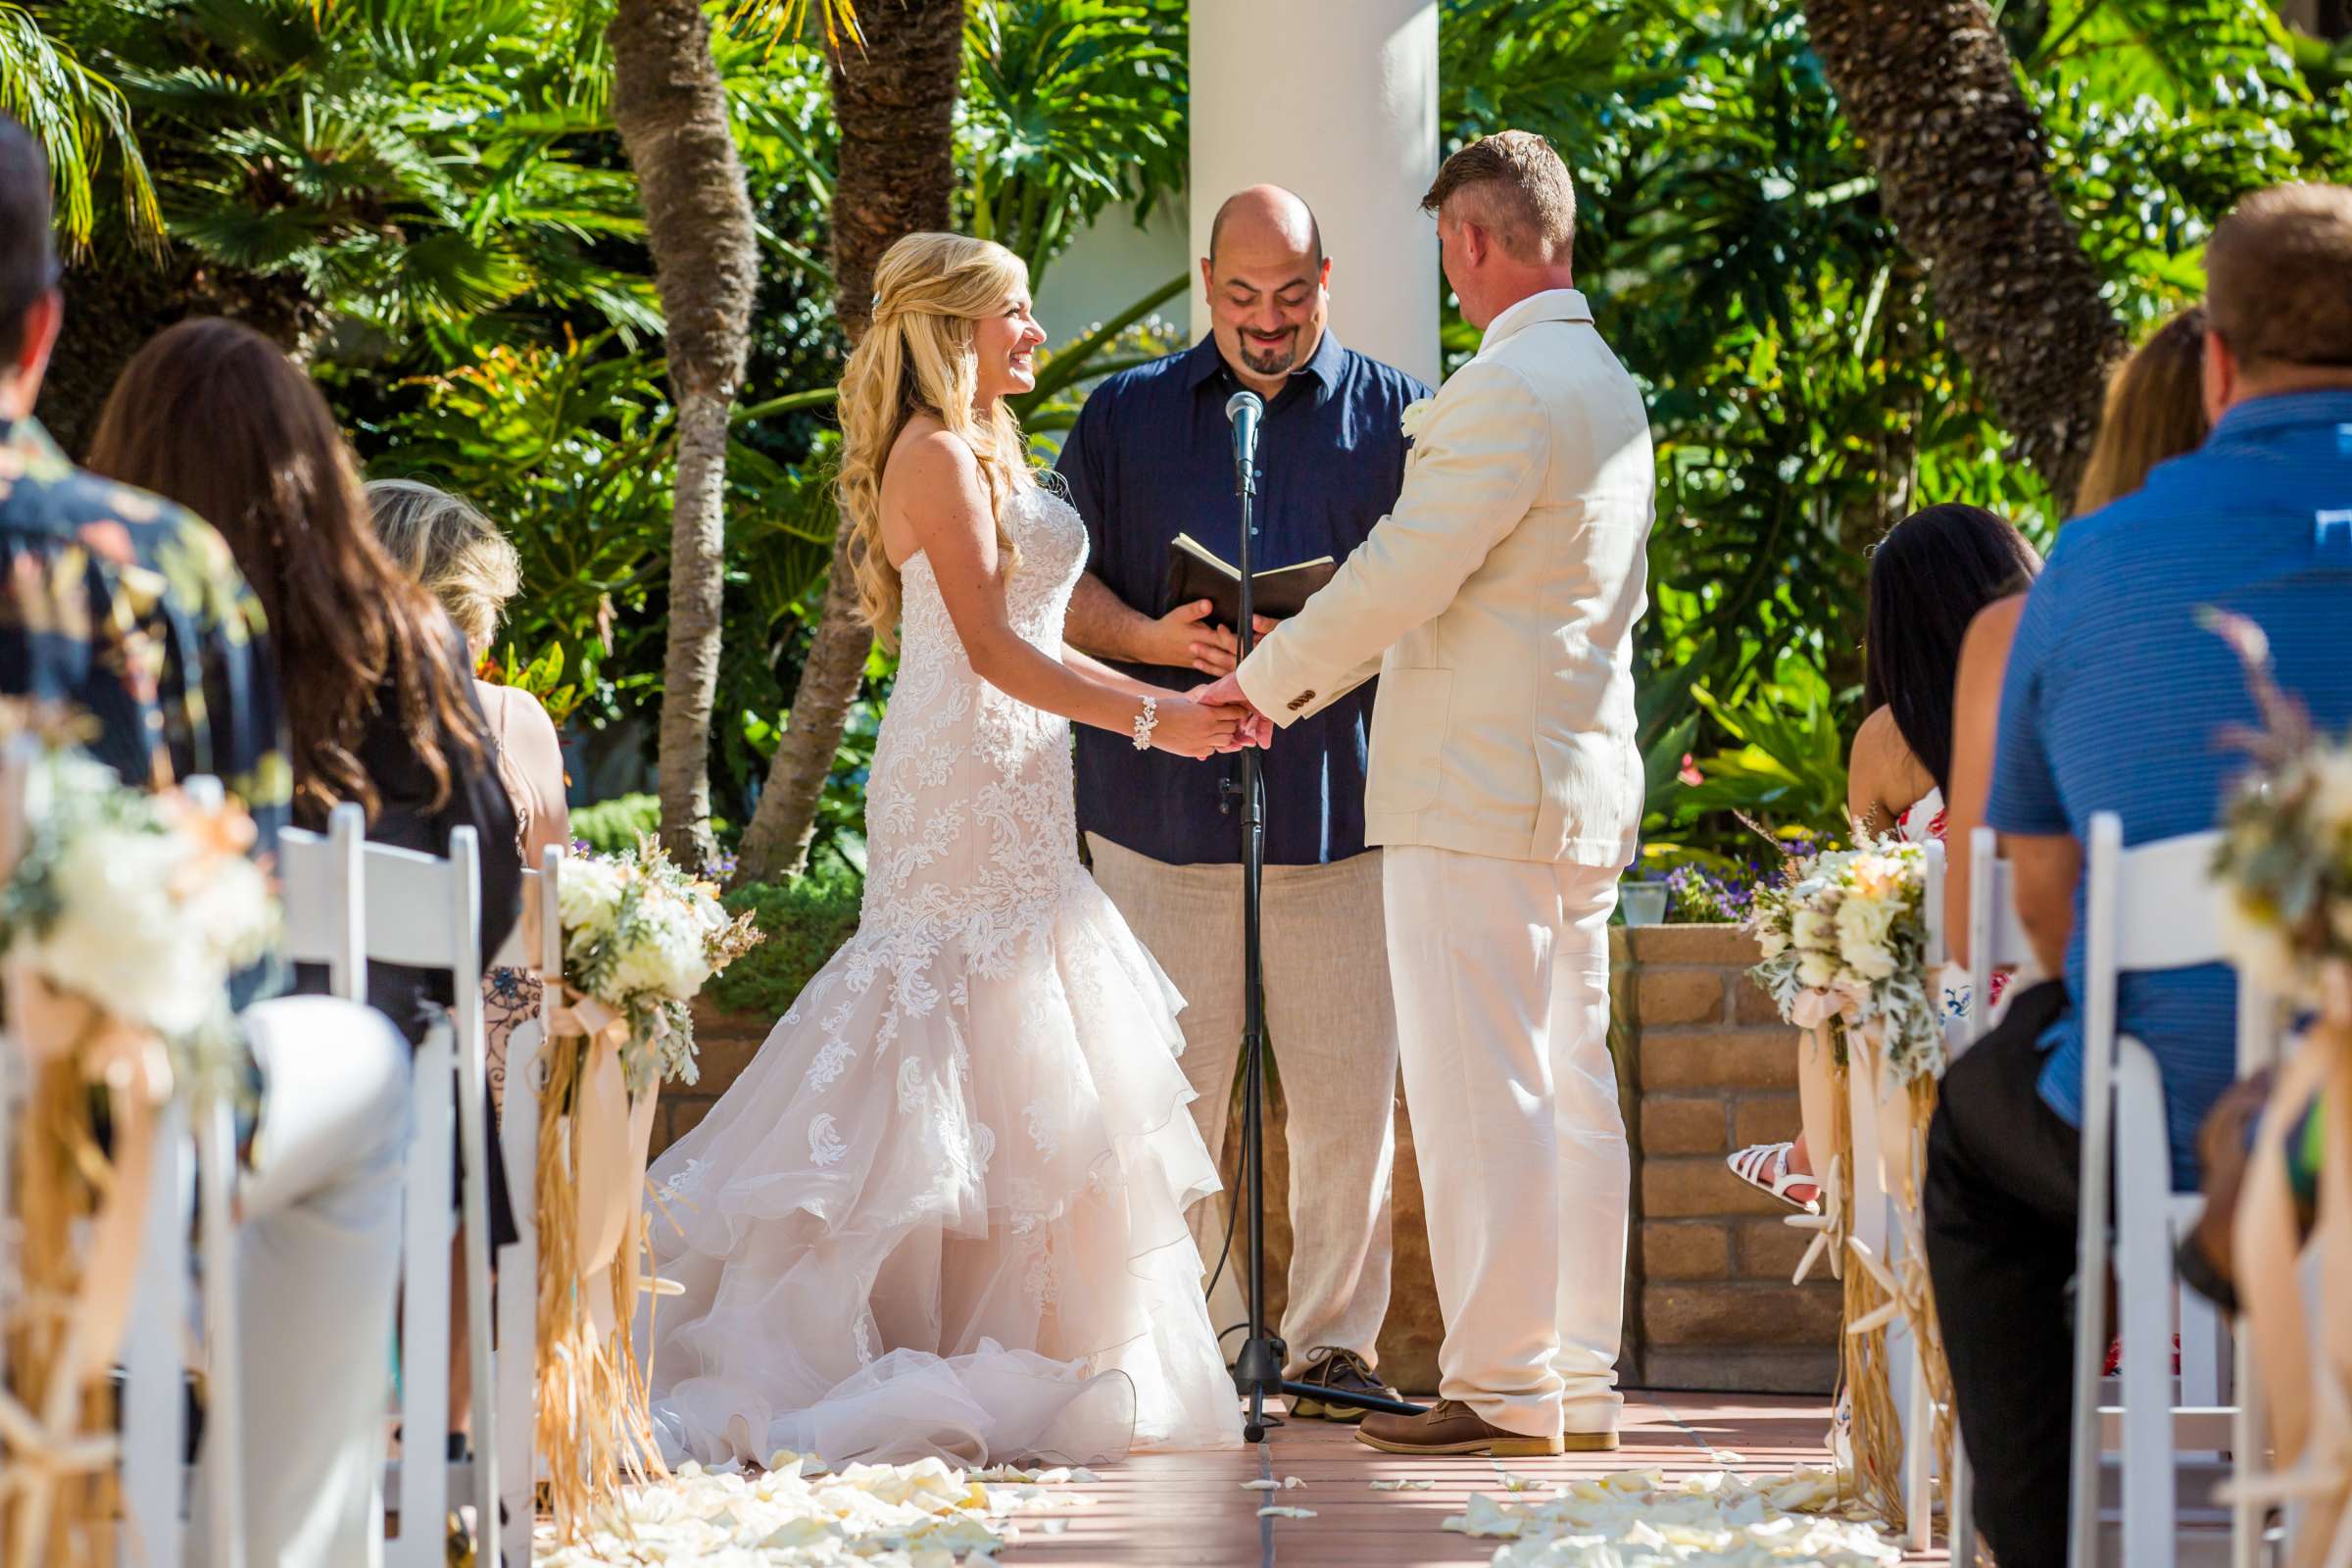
(1150, 458)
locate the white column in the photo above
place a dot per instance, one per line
(1337, 100)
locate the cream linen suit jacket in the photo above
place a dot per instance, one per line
(1496, 603)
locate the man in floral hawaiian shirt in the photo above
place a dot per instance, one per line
(129, 610)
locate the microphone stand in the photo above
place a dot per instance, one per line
(1258, 1370)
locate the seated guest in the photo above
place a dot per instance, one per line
(469, 566)
(382, 701)
(2114, 701)
(2155, 411)
(1929, 578)
(132, 610)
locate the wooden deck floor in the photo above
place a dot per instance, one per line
(1185, 1509)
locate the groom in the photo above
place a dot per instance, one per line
(1496, 603)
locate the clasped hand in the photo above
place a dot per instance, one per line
(1255, 729)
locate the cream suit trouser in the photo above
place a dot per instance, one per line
(1333, 1038)
(1501, 971)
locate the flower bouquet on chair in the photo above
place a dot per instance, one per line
(122, 919)
(641, 938)
(1844, 935)
(2285, 865)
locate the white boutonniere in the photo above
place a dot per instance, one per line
(1414, 417)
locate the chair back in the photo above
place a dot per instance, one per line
(1996, 937)
(324, 886)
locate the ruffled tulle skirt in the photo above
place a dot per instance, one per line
(942, 1212)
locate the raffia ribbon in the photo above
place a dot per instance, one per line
(48, 1448)
(2307, 1380)
(594, 1142)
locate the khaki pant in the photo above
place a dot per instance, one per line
(1332, 1028)
(1502, 1011)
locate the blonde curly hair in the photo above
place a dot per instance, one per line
(918, 358)
(459, 554)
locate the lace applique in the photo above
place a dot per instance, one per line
(1040, 1132)
(910, 1086)
(828, 1064)
(825, 1146)
(689, 1176)
(862, 1338)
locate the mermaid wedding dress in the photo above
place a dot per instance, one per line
(942, 1211)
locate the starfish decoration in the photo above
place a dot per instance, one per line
(1826, 1227)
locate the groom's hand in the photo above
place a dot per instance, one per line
(1256, 729)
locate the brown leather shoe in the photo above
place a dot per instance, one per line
(1450, 1427)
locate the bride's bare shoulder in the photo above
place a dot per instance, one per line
(927, 454)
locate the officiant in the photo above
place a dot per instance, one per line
(1151, 458)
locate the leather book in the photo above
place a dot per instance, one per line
(1195, 572)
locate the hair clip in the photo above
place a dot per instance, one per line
(876, 302)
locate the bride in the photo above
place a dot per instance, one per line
(942, 1211)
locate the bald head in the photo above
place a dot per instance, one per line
(1265, 276)
(1264, 217)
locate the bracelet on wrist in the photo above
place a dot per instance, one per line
(1146, 722)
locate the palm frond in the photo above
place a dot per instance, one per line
(77, 115)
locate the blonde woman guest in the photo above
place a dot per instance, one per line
(943, 1210)
(468, 566)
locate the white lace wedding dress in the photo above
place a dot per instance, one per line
(942, 1211)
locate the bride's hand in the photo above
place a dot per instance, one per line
(1193, 729)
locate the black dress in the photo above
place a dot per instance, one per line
(406, 818)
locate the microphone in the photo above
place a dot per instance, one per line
(1245, 409)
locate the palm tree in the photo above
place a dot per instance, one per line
(1931, 89)
(894, 101)
(671, 111)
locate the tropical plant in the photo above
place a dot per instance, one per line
(1070, 106)
(76, 115)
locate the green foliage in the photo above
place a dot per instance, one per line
(1070, 105)
(78, 118)
(416, 164)
(610, 827)
(805, 920)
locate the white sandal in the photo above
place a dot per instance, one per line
(1752, 1162)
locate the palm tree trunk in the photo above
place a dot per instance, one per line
(1931, 88)
(895, 104)
(671, 112)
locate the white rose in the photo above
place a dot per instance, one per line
(1812, 929)
(588, 895)
(2330, 769)
(1862, 928)
(1815, 971)
(1771, 942)
(1414, 417)
(121, 940)
(1869, 959)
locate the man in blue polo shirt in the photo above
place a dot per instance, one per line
(1150, 458)
(2115, 700)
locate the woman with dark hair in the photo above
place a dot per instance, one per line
(1929, 578)
(378, 690)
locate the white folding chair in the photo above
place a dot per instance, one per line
(426, 913)
(349, 904)
(2150, 908)
(536, 947)
(196, 1149)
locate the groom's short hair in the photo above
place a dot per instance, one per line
(1519, 188)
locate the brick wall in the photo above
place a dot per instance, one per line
(1712, 1069)
(1704, 1067)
